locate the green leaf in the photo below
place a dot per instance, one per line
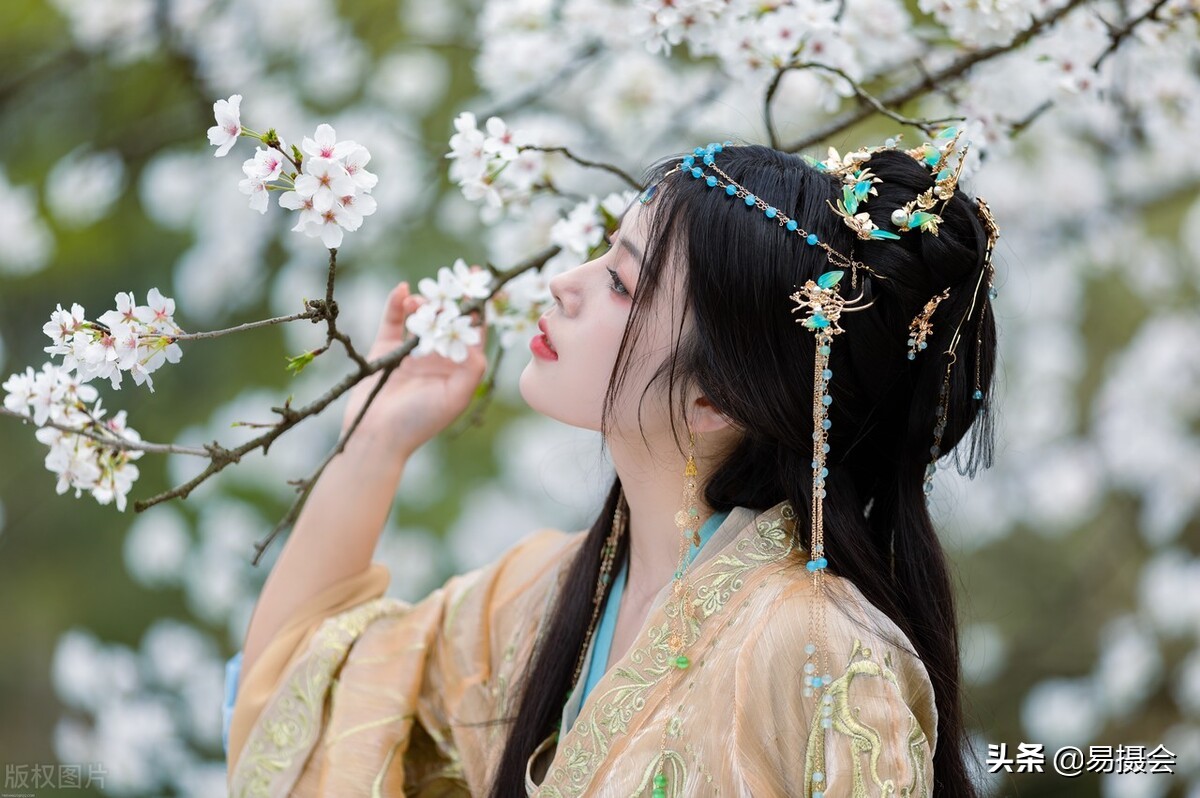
(883, 234)
(296, 364)
(848, 198)
(829, 279)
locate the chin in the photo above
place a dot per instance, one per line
(554, 400)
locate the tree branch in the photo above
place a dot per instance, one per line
(930, 81)
(594, 164)
(111, 439)
(292, 416)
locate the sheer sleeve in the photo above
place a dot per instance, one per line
(873, 731)
(356, 694)
(247, 693)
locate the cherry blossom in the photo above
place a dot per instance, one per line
(581, 230)
(331, 192)
(56, 394)
(224, 134)
(501, 141)
(266, 165)
(442, 329)
(467, 148)
(493, 168)
(324, 145)
(355, 162)
(323, 182)
(329, 225)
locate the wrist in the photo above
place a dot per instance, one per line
(376, 447)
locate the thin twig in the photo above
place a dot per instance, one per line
(292, 416)
(955, 68)
(582, 162)
(927, 126)
(117, 443)
(314, 312)
(305, 486)
(535, 93)
(1117, 35)
(331, 313)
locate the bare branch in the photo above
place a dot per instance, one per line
(532, 94)
(593, 164)
(292, 416)
(928, 82)
(927, 126)
(111, 439)
(314, 312)
(1117, 35)
(331, 312)
(305, 486)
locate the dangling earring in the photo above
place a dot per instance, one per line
(687, 519)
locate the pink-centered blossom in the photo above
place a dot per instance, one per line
(224, 134)
(324, 144)
(324, 181)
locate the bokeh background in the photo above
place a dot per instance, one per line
(1077, 555)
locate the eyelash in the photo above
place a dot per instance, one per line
(616, 281)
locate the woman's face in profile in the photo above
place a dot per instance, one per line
(592, 303)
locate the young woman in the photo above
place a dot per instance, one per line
(761, 607)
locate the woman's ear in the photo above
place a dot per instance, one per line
(706, 418)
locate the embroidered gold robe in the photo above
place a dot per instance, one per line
(361, 694)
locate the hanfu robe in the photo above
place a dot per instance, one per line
(361, 694)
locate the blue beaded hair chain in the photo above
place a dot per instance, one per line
(734, 190)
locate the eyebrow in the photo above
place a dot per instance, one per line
(632, 249)
(624, 242)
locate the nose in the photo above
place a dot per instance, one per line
(560, 288)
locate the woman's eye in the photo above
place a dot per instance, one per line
(617, 286)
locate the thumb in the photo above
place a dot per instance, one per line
(394, 310)
(400, 305)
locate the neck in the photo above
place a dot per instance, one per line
(654, 491)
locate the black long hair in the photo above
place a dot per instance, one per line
(748, 356)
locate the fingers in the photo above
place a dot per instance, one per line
(396, 308)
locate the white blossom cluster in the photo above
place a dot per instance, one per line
(439, 322)
(514, 311)
(984, 22)
(83, 463)
(133, 338)
(331, 190)
(492, 166)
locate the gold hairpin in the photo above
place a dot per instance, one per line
(920, 327)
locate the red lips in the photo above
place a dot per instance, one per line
(545, 332)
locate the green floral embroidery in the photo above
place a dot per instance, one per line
(864, 738)
(270, 762)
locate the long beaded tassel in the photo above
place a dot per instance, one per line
(816, 667)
